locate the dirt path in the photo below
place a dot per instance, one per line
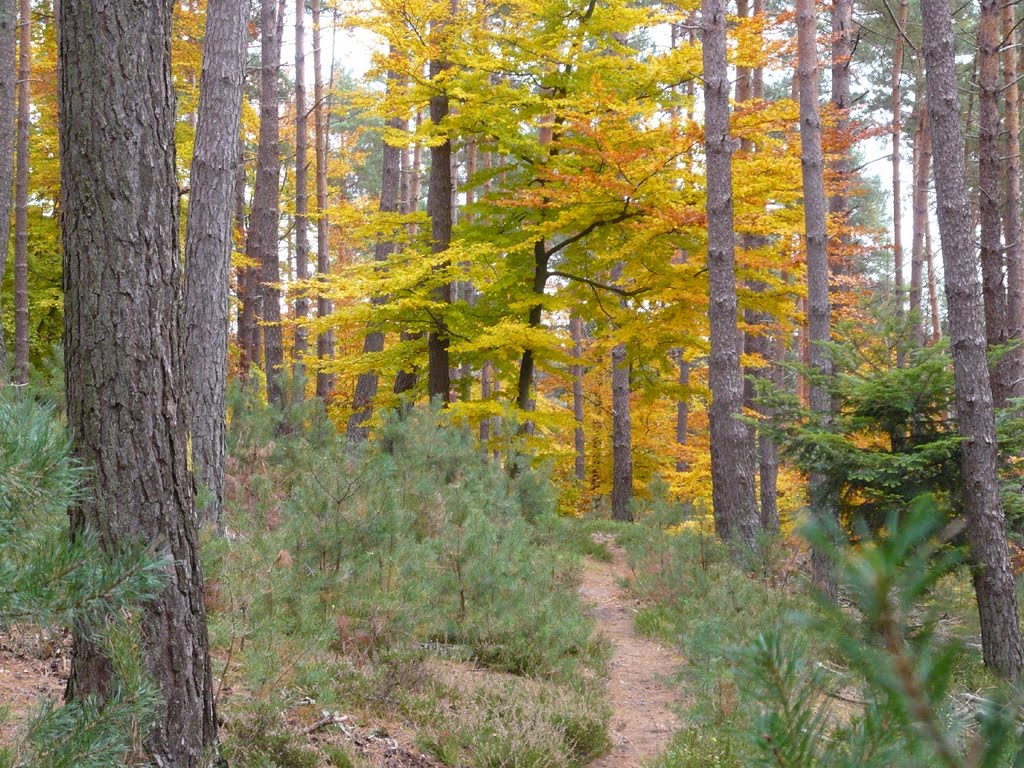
(639, 687)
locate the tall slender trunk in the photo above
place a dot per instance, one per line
(1002, 645)
(933, 284)
(358, 429)
(732, 460)
(325, 339)
(439, 209)
(622, 435)
(208, 242)
(1013, 232)
(897, 131)
(301, 343)
(823, 501)
(922, 167)
(839, 202)
(8, 87)
(21, 195)
(579, 437)
(126, 390)
(989, 160)
(683, 411)
(405, 380)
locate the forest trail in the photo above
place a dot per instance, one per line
(639, 688)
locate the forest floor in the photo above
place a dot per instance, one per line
(640, 692)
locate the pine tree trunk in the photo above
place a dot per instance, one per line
(358, 429)
(579, 437)
(922, 166)
(21, 195)
(209, 242)
(325, 340)
(822, 495)
(301, 343)
(622, 436)
(994, 288)
(683, 412)
(1002, 646)
(933, 284)
(1013, 232)
(8, 37)
(732, 460)
(897, 191)
(126, 390)
(839, 202)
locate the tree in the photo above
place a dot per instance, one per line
(21, 195)
(301, 202)
(1002, 645)
(732, 455)
(579, 438)
(1013, 230)
(125, 376)
(822, 495)
(8, 24)
(325, 339)
(897, 130)
(209, 241)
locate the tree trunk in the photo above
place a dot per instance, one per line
(358, 429)
(1002, 646)
(325, 339)
(683, 411)
(822, 495)
(8, 37)
(839, 202)
(732, 460)
(21, 195)
(301, 342)
(1012, 229)
(126, 389)
(897, 191)
(933, 284)
(922, 166)
(209, 242)
(622, 436)
(989, 160)
(579, 437)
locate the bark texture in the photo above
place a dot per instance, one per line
(732, 460)
(622, 436)
(325, 340)
(439, 209)
(922, 168)
(683, 411)
(579, 438)
(21, 195)
(823, 501)
(897, 131)
(839, 202)
(8, 36)
(209, 241)
(1002, 646)
(301, 341)
(1013, 232)
(124, 345)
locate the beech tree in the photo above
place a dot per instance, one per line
(124, 347)
(994, 584)
(209, 241)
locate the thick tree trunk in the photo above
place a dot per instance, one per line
(209, 242)
(1013, 232)
(301, 343)
(325, 340)
(922, 167)
(1002, 646)
(8, 37)
(126, 390)
(622, 436)
(21, 195)
(989, 161)
(266, 201)
(822, 495)
(358, 428)
(897, 131)
(579, 437)
(732, 460)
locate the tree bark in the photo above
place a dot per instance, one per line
(622, 436)
(301, 342)
(989, 161)
(124, 351)
(8, 87)
(1002, 646)
(579, 437)
(358, 429)
(823, 501)
(209, 242)
(683, 411)
(732, 460)
(897, 191)
(324, 308)
(933, 283)
(21, 195)
(839, 202)
(922, 166)
(1013, 232)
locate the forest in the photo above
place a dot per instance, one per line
(524, 384)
